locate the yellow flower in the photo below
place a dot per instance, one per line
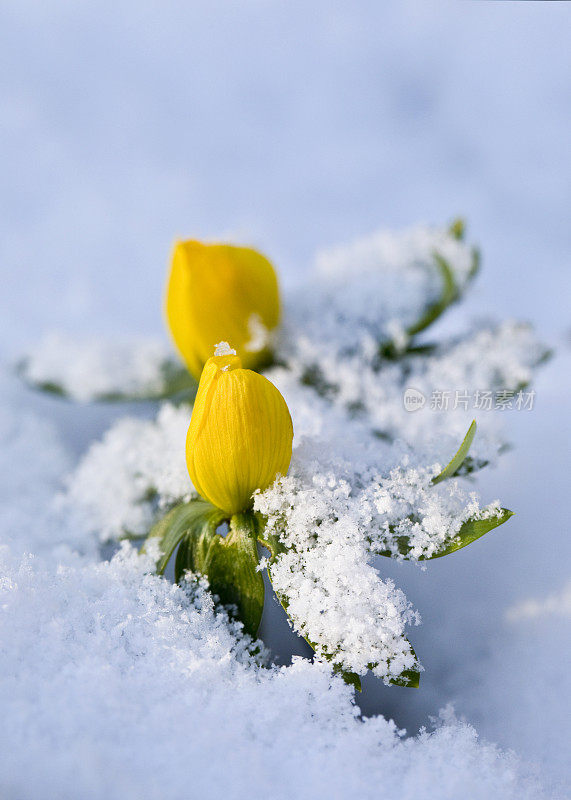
(218, 292)
(240, 433)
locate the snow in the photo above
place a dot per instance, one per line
(125, 128)
(345, 499)
(347, 495)
(135, 472)
(224, 349)
(115, 683)
(88, 370)
(394, 271)
(139, 692)
(491, 357)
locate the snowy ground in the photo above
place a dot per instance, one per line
(293, 129)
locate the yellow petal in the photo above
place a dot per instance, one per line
(240, 434)
(217, 293)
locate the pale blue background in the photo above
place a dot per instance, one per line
(291, 125)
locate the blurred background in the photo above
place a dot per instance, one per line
(292, 126)
(288, 125)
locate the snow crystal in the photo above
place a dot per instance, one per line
(223, 349)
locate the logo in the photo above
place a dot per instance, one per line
(413, 399)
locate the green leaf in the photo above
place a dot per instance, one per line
(409, 678)
(473, 529)
(176, 384)
(476, 262)
(48, 387)
(171, 529)
(230, 564)
(471, 465)
(269, 540)
(458, 459)
(449, 295)
(183, 560)
(457, 228)
(470, 530)
(274, 545)
(313, 376)
(351, 678)
(422, 349)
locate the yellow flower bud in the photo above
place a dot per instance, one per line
(219, 292)
(240, 433)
